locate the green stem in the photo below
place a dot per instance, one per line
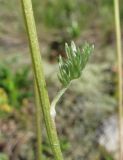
(38, 124)
(55, 101)
(120, 72)
(40, 79)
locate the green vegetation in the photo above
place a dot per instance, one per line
(72, 67)
(90, 101)
(3, 157)
(15, 83)
(69, 70)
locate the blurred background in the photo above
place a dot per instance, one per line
(87, 113)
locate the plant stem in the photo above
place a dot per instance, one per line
(120, 72)
(38, 123)
(40, 79)
(55, 101)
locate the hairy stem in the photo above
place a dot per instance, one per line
(38, 117)
(55, 101)
(40, 79)
(120, 72)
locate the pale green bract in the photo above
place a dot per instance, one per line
(72, 67)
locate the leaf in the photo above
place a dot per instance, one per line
(72, 67)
